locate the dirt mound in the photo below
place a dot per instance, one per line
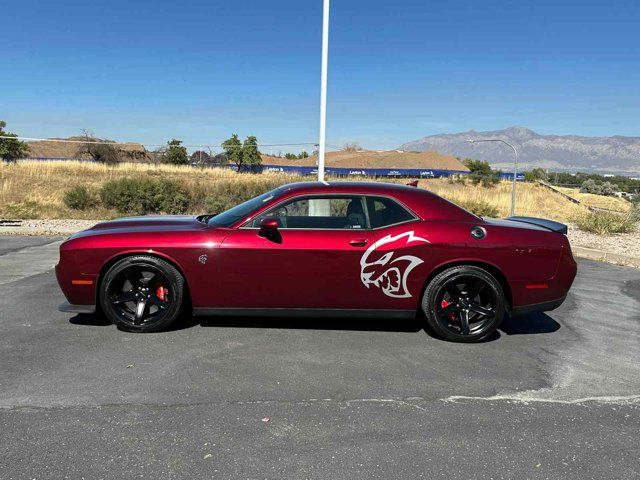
(128, 152)
(376, 159)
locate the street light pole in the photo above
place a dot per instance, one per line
(323, 89)
(515, 167)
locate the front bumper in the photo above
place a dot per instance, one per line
(68, 307)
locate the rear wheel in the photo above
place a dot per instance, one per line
(142, 294)
(463, 304)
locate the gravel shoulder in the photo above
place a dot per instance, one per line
(44, 227)
(621, 243)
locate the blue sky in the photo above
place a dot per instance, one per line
(201, 70)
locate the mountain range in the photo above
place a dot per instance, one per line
(615, 154)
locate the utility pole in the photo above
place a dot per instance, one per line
(323, 89)
(515, 167)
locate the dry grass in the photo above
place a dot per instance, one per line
(606, 223)
(531, 199)
(600, 201)
(36, 189)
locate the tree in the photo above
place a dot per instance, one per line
(481, 173)
(11, 149)
(176, 153)
(536, 174)
(479, 167)
(97, 149)
(591, 186)
(159, 155)
(609, 188)
(250, 153)
(351, 147)
(233, 149)
(290, 156)
(599, 188)
(200, 158)
(303, 154)
(219, 159)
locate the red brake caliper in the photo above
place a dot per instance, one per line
(161, 293)
(445, 304)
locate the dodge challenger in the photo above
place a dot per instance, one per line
(321, 249)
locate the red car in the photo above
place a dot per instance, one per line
(321, 249)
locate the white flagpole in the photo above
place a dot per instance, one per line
(323, 89)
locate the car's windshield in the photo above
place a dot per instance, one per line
(231, 216)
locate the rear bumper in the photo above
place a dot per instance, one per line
(538, 307)
(68, 307)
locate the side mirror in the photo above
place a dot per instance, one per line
(268, 226)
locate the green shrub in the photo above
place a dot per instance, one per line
(145, 195)
(487, 181)
(480, 208)
(536, 174)
(227, 194)
(605, 223)
(598, 188)
(79, 198)
(635, 210)
(457, 179)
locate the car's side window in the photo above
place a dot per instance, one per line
(319, 212)
(384, 211)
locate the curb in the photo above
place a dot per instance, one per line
(37, 232)
(609, 257)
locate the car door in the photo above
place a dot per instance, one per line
(396, 268)
(312, 262)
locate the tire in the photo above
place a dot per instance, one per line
(463, 304)
(142, 294)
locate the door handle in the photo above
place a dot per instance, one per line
(358, 242)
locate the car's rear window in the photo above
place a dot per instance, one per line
(384, 211)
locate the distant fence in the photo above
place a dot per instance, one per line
(357, 172)
(368, 172)
(340, 171)
(509, 176)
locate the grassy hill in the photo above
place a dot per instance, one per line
(133, 152)
(35, 189)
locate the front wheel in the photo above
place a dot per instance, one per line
(463, 304)
(142, 294)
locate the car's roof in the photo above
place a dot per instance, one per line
(363, 186)
(426, 204)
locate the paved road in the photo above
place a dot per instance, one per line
(552, 396)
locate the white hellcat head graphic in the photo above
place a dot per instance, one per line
(388, 272)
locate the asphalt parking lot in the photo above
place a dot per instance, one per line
(552, 395)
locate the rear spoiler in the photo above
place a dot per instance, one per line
(542, 222)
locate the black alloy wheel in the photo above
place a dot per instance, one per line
(142, 294)
(464, 304)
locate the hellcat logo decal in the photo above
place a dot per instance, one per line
(388, 273)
